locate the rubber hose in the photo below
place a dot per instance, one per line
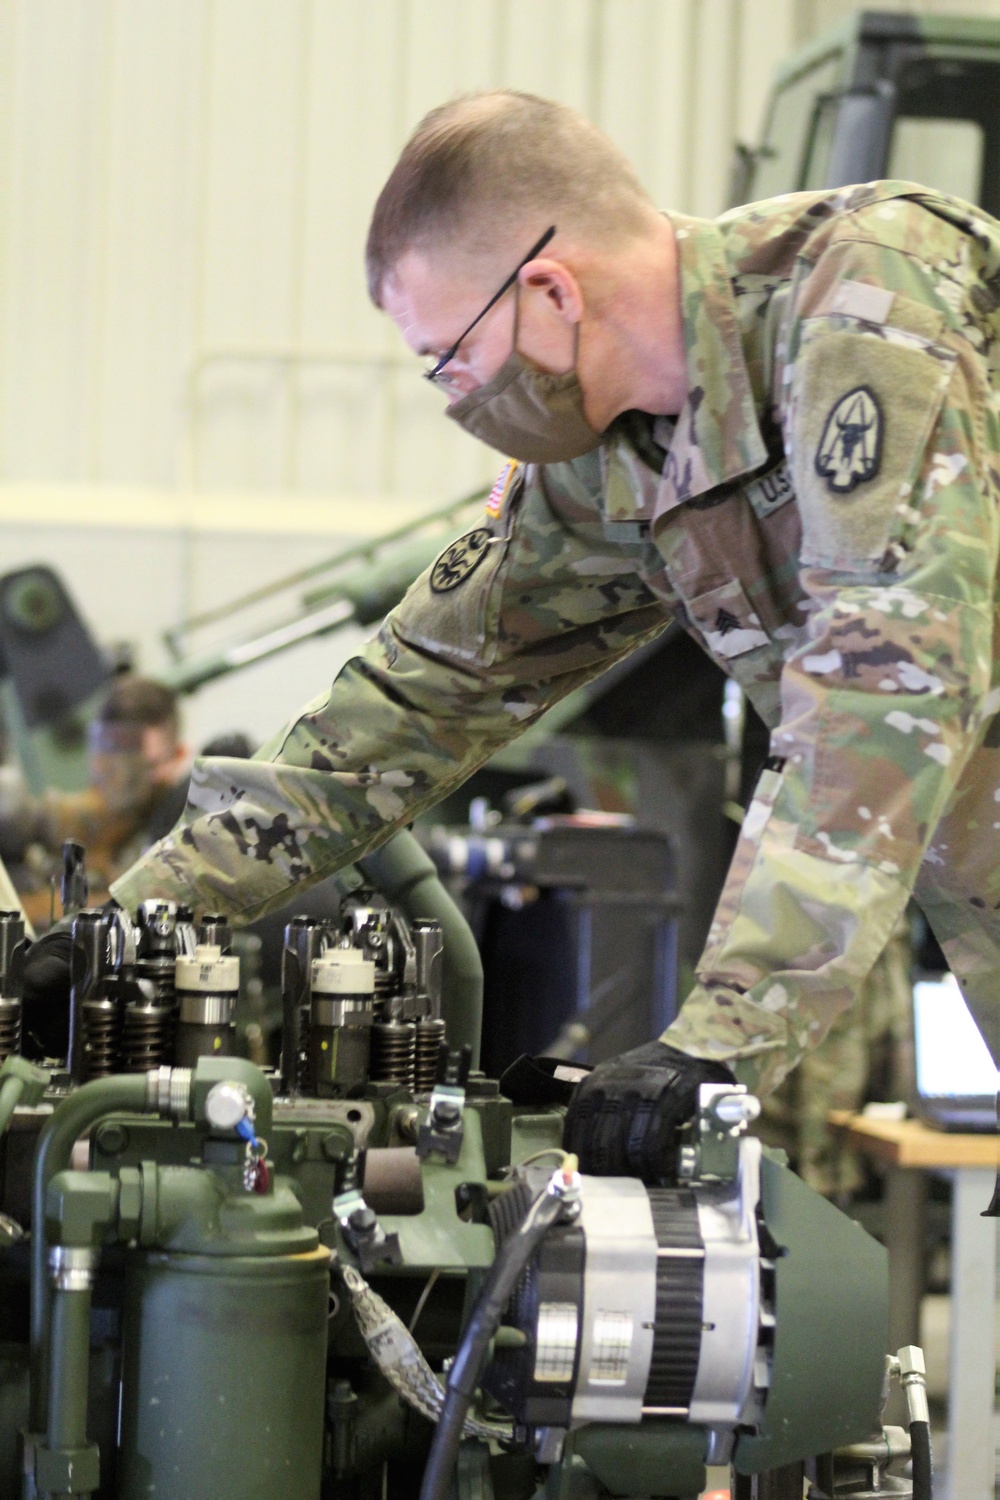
(920, 1449)
(77, 1113)
(406, 876)
(473, 1351)
(10, 1097)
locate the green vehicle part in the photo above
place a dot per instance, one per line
(885, 94)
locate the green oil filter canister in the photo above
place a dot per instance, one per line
(223, 1376)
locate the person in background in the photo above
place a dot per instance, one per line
(139, 767)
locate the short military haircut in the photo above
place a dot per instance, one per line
(486, 164)
(140, 700)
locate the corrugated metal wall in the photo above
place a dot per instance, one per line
(184, 193)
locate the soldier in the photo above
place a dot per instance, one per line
(138, 770)
(780, 428)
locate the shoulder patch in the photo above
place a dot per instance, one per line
(460, 560)
(857, 299)
(500, 491)
(850, 449)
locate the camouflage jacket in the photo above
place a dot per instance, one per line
(822, 517)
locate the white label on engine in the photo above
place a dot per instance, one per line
(555, 1351)
(611, 1348)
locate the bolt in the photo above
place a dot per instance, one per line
(446, 1113)
(736, 1109)
(337, 1144)
(112, 1139)
(363, 1220)
(406, 1122)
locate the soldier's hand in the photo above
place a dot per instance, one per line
(45, 1013)
(624, 1117)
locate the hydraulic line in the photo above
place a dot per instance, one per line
(78, 1112)
(10, 1097)
(473, 1352)
(407, 877)
(913, 1377)
(920, 1451)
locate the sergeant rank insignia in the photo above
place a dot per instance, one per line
(850, 449)
(460, 560)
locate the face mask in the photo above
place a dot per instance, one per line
(528, 414)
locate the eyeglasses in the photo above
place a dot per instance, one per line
(435, 371)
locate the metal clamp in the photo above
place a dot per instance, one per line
(443, 1129)
(168, 1091)
(363, 1232)
(71, 1267)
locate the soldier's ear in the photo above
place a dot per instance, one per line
(557, 284)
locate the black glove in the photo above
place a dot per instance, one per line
(624, 1118)
(47, 979)
(45, 1013)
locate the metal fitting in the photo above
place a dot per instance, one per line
(168, 1091)
(566, 1184)
(228, 1104)
(913, 1377)
(71, 1268)
(736, 1109)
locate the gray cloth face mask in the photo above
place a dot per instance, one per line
(528, 414)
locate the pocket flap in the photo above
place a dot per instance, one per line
(727, 620)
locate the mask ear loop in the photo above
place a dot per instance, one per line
(517, 325)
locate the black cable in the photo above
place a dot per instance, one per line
(473, 1351)
(920, 1450)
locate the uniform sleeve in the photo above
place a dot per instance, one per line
(509, 619)
(894, 448)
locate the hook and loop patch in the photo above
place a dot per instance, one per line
(850, 450)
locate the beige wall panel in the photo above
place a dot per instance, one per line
(54, 252)
(646, 92)
(8, 27)
(148, 291)
(253, 161)
(766, 35)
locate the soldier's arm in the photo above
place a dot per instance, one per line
(504, 625)
(884, 703)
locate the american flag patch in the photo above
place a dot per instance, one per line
(498, 493)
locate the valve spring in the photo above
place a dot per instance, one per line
(394, 1053)
(101, 1039)
(430, 1035)
(10, 1028)
(147, 1039)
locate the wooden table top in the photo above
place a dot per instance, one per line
(911, 1143)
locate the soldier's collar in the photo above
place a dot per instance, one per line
(717, 437)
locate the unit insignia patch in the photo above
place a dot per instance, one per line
(850, 449)
(460, 560)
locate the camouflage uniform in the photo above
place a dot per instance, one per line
(822, 516)
(866, 1054)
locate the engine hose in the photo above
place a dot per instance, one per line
(408, 877)
(473, 1351)
(920, 1450)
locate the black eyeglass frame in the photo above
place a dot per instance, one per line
(449, 354)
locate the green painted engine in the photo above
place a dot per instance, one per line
(265, 1284)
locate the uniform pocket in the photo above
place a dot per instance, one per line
(864, 405)
(727, 620)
